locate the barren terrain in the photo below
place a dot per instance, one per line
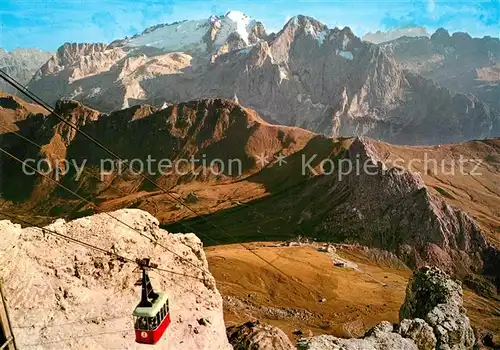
(476, 190)
(355, 299)
(440, 217)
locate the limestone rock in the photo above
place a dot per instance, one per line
(420, 332)
(65, 296)
(433, 296)
(380, 337)
(257, 336)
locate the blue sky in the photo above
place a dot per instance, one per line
(47, 24)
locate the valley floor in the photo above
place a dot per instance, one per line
(355, 299)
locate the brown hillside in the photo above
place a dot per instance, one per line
(479, 195)
(418, 217)
(14, 110)
(355, 299)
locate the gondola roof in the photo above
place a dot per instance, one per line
(153, 310)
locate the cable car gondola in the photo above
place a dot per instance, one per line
(152, 314)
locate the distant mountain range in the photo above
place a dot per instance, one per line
(213, 90)
(21, 64)
(457, 62)
(326, 80)
(381, 37)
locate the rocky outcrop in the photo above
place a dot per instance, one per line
(307, 75)
(257, 336)
(432, 296)
(419, 331)
(64, 295)
(444, 325)
(381, 337)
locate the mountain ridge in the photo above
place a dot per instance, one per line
(21, 64)
(306, 75)
(458, 62)
(360, 207)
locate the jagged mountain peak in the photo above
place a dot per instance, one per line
(23, 51)
(306, 75)
(76, 46)
(440, 33)
(70, 52)
(303, 34)
(380, 37)
(312, 25)
(458, 62)
(305, 25)
(201, 37)
(443, 37)
(302, 21)
(21, 64)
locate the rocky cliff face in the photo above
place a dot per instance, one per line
(444, 325)
(307, 75)
(396, 208)
(62, 295)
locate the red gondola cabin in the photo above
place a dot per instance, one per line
(152, 314)
(151, 322)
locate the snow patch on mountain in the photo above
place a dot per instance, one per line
(235, 21)
(283, 73)
(321, 37)
(309, 29)
(196, 36)
(345, 42)
(346, 54)
(185, 36)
